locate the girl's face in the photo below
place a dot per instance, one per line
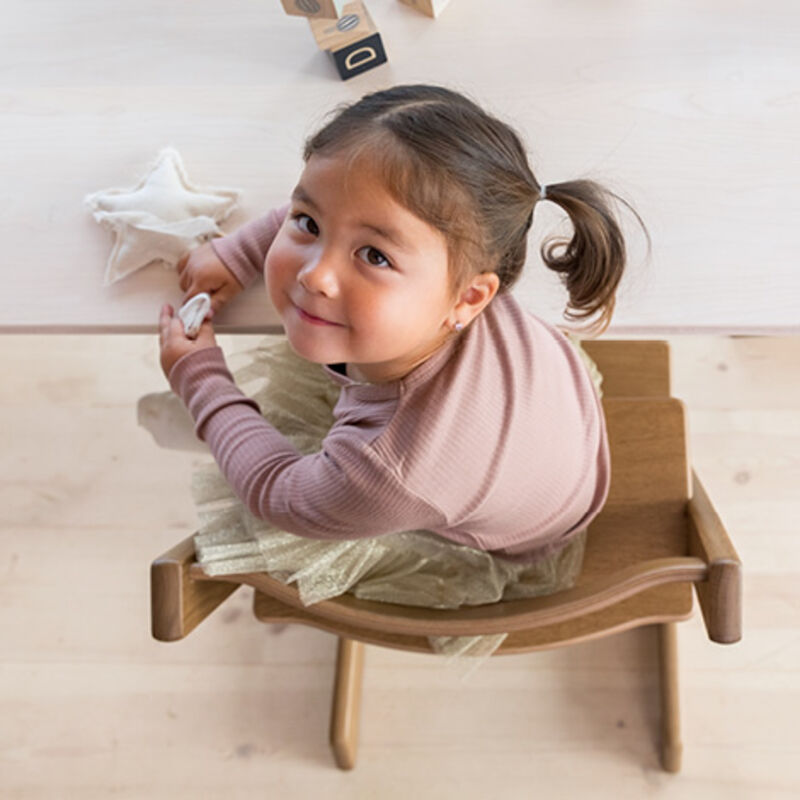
(356, 277)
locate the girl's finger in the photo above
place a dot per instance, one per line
(162, 324)
(221, 297)
(193, 290)
(166, 315)
(173, 327)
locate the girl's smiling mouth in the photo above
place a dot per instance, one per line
(304, 315)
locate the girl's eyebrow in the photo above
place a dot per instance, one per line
(390, 234)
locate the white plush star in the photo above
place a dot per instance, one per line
(161, 218)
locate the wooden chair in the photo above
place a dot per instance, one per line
(657, 535)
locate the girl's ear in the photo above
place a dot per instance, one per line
(476, 296)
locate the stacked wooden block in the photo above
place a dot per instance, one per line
(430, 7)
(348, 32)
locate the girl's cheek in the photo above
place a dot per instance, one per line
(272, 279)
(280, 256)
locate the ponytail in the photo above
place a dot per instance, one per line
(593, 260)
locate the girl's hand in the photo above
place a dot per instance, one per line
(174, 342)
(201, 270)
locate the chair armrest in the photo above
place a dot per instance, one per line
(179, 602)
(720, 595)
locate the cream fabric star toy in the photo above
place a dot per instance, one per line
(161, 218)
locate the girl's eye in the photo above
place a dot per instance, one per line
(299, 216)
(384, 262)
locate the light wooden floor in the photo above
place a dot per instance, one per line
(92, 707)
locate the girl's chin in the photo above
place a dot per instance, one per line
(316, 352)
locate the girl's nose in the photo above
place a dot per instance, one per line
(318, 277)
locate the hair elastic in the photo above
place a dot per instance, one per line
(542, 192)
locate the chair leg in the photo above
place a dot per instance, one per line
(671, 746)
(346, 711)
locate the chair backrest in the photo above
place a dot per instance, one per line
(649, 451)
(632, 367)
(644, 516)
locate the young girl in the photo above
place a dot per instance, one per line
(457, 419)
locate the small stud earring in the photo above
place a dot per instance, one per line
(459, 326)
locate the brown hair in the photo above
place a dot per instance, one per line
(466, 173)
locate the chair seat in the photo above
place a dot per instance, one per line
(668, 603)
(636, 570)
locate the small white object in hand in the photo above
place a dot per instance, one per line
(160, 218)
(193, 312)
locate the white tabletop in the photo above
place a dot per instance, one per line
(689, 109)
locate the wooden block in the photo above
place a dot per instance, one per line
(314, 9)
(353, 40)
(359, 56)
(430, 7)
(354, 24)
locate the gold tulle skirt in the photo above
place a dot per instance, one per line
(415, 568)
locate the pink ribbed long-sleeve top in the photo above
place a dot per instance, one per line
(497, 441)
